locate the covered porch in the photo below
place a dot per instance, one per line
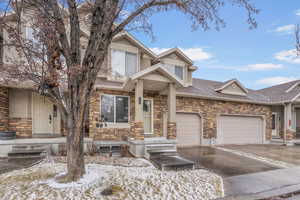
(154, 119)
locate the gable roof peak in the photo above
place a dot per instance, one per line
(229, 82)
(178, 51)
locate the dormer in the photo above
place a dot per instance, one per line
(178, 63)
(232, 87)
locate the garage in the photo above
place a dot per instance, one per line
(240, 130)
(188, 129)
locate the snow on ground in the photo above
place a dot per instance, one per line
(105, 160)
(135, 182)
(260, 158)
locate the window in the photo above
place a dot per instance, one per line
(179, 72)
(175, 69)
(123, 63)
(115, 109)
(30, 34)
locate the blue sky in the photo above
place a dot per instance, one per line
(258, 58)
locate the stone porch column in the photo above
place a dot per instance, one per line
(289, 133)
(171, 133)
(137, 127)
(4, 107)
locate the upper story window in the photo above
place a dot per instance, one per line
(175, 69)
(123, 63)
(30, 34)
(115, 109)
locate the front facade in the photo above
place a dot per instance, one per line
(143, 97)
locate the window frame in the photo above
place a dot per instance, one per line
(115, 108)
(182, 71)
(126, 52)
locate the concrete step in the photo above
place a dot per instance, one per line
(160, 153)
(172, 162)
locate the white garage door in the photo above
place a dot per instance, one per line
(188, 129)
(240, 130)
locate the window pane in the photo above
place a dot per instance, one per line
(170, 68)
(107, 108)
(179, 72)
(131, 64)
(121, 109)
(118, 62)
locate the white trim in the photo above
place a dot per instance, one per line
(115, 124)
(173, 50)
(152, 115)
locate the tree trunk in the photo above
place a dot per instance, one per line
(75, 151)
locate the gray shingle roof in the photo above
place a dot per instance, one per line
(278, 94)
(206, 89)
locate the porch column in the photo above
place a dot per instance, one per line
(289, 133)
(4, 106)
(137, 128)
(172, 112)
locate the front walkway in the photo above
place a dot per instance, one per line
(288, 154)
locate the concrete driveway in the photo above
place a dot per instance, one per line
(225, 164)
(288, 154)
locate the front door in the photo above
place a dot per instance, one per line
(42, 115)
(275, 125)
(148, 112)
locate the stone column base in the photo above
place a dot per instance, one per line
(289, 137)
(171, 134)
(137, 130)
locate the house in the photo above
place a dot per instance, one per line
(146, 98)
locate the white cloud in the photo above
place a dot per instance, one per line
(297, 12)
(286, 29)
(289, 56)
(261, 67)
(275, 80)
(196, 54)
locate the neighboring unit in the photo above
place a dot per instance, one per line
(152, 100)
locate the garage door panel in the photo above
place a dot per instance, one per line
(240, 130)
(188, 129)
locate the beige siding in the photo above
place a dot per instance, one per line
(233, 89)
(19, 103)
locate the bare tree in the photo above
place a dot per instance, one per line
(53, 59)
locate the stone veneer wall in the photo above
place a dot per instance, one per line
(22, 127)
(4, 109)
(209, 110)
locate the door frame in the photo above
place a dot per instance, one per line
(152, 114)
(276, 125)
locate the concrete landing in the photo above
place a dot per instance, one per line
(270, 183)
(172, 162)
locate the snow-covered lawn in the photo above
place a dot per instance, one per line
(135, 178)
